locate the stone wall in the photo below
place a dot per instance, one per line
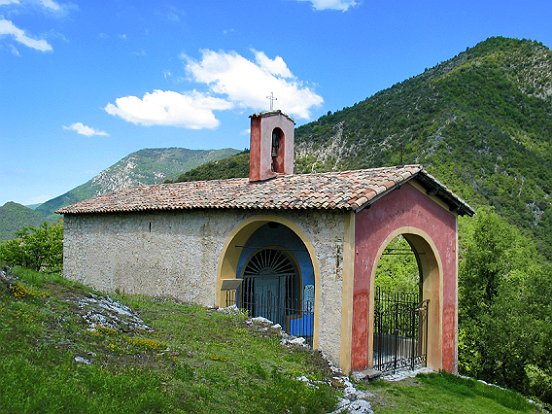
(164, 254)
(177, 253)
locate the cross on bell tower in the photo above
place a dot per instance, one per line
(271, 98)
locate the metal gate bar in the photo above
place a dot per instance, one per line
(400, 331)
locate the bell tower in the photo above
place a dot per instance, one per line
(271, 147)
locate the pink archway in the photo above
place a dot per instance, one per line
(430, 228)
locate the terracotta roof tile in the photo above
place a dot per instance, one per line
(344, 190)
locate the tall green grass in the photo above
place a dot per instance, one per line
(195, 360)
(443, 393)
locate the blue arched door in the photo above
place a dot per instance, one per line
(278, 279)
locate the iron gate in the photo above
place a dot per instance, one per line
(273, 300)
(400, 331)
(271, 289)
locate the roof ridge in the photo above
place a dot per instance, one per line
(350, 190)
(393, 167)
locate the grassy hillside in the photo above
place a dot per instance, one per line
(445, 394)
(147, 166)
(179, 359)
(66, 348)
(14, 216)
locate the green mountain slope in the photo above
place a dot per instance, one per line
(147, 166)
(14, 216)
(481, 122)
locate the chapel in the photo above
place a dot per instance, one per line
(298, 249)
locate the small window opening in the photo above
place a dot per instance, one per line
(275, 149)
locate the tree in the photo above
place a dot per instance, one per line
(38, 248)
(398, 269)
(505, 311)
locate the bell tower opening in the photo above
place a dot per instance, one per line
(271, 148)
(278, 150)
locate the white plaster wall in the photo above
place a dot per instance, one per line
(326, 231)
(179, 256)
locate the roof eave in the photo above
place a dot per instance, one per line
(433, 187)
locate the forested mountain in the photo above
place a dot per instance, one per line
(147, 166)
(230, 167)
(480, 122)
(14, 216)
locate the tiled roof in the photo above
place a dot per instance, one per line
(344, 190)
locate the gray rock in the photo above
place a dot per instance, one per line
(260, 319)
(82, 360)
(360, 407)
(109, 313)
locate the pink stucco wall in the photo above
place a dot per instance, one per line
(404, 207)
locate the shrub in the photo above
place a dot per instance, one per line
(35, 248)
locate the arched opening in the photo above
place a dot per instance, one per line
(398, 269)
(405, 307)
(400, 313)
(267, 268)
(277, 150)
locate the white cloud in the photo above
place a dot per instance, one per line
(9, 29)
(50, 4)
(85, 130)
(193, 110)
(173, 14)
(342, 5)
(232, 81)
(275, 66)
(246, 83)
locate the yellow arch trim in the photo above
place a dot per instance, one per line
(432, 273)
(229, 257)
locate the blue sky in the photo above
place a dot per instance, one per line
(84, 83)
